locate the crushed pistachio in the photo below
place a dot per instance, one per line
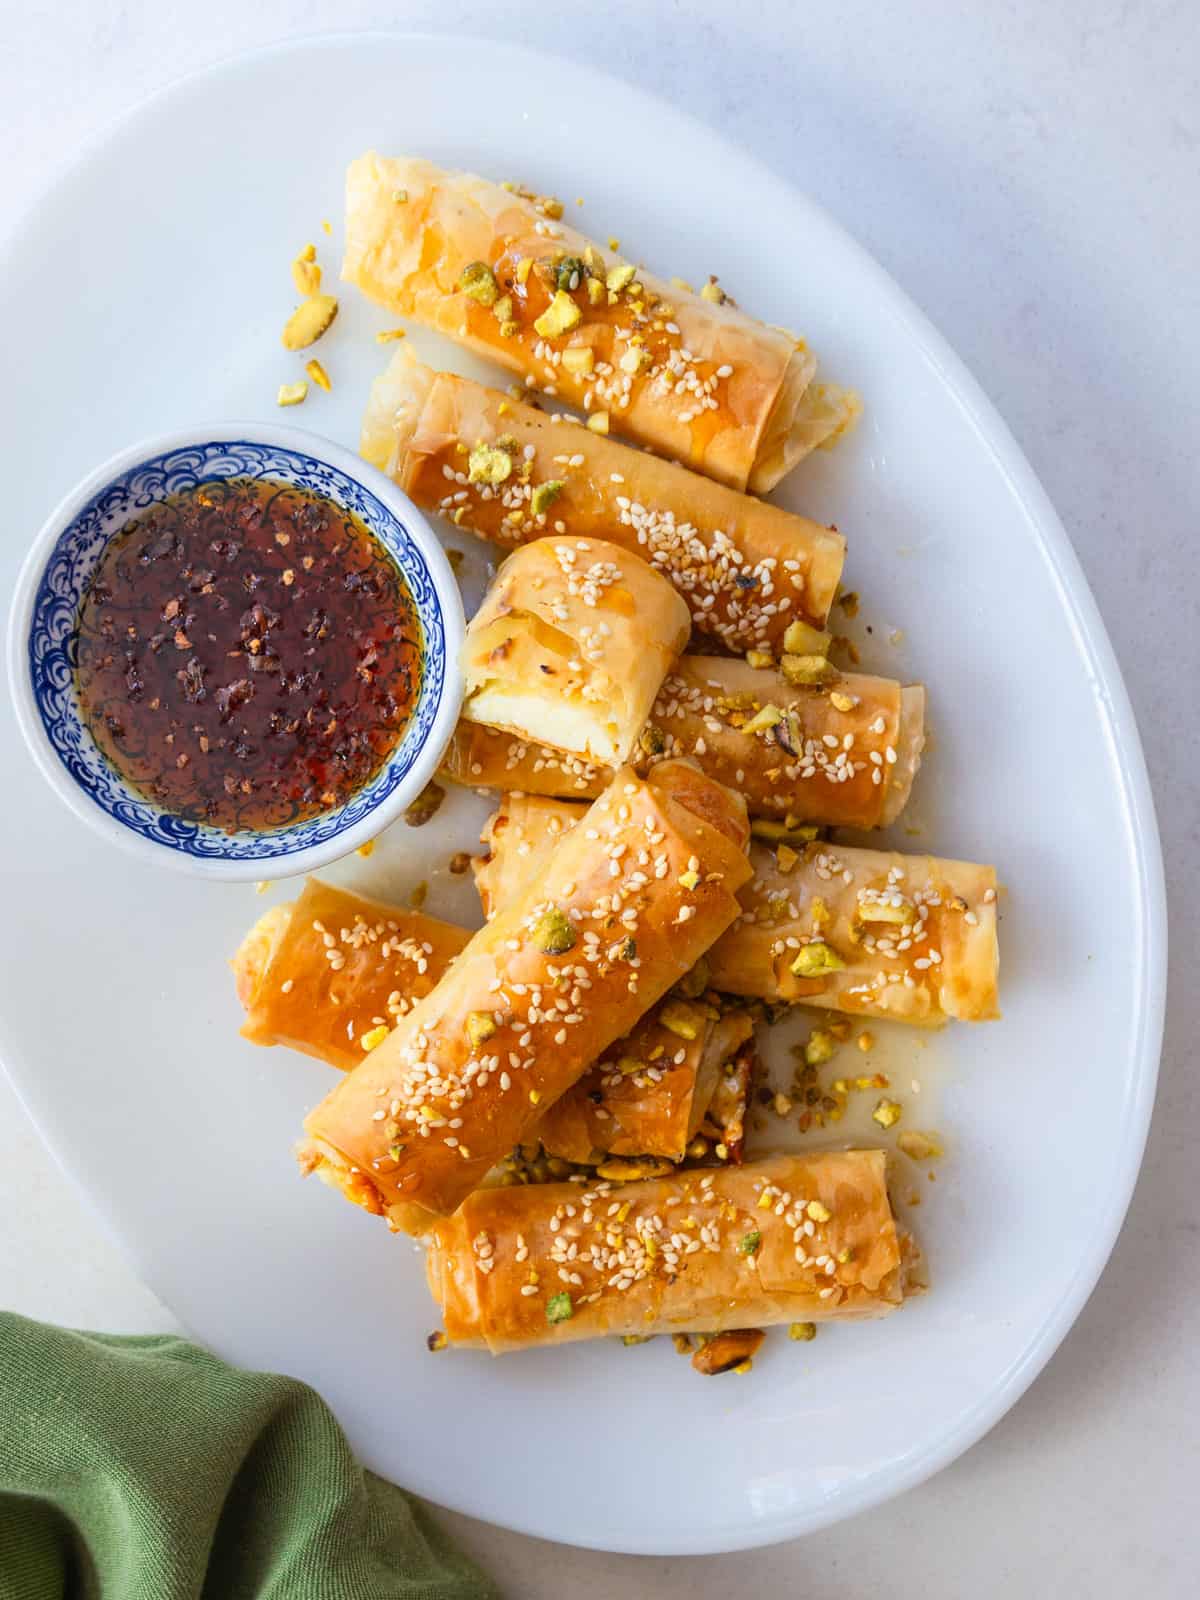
(598, 422)
(712, 291)
(400, 196)
(865, 1041)
(689, 879)
(635, 361)
(819, 1048)
(571, 273)
(366, 849)
(436, 1341)
(760, 660)
(652, 740)
(481, 1026)
(771, 831)
(309, 321)
(749, 1243)
(803, 640)
(426, 806)
(306, 274)
(579, 359)
(763, 720)
(682, 1343)
(697, 1149)
(596, 292)
(291, 394)
(636, 1338)
(559, 317)
(818, 1212)
(418, 894)
(919, 1146)
(686, 1021)
(803, 1331)
(887, 1113)
(479, 282)
(728, 1352)
(886, 911)
(376, 1036)
(619, 277)
(488, 463)
(390, 335)
(545, 495)
(553, 933)
(559, 1307)
(805, 669)
(842, 702)
(786, 858)
(319, 376)
(633, 1168)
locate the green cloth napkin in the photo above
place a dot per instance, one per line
(146, 1469)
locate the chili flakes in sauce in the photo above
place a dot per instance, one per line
(248, 654)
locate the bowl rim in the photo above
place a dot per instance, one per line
(71, 791)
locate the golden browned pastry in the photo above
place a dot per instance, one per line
(498, 270)
(570, 646)
(326, 972)
(869, 932)
(788, 1238)
(747, 569)
(841, 753)
(622, 909)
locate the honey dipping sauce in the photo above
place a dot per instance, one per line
(249, 655)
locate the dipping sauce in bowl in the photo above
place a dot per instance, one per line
(248, 654)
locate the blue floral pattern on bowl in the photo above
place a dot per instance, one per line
(69, 570)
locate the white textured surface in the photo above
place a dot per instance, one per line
(1031, 181)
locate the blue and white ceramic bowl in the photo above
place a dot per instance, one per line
(55, 578)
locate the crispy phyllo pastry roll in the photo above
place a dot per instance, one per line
(570, 646)
(332, 972)
(786, 1239)
(624, 907)
(496, 269)
(746, 568)
(867, 932)
(354, 966)
(651, 1092)
(842, 752)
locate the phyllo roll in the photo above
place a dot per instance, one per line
(510, 473)
(622, 909)
(868, 932)
(570, 646)
(651, 1092)
(326, 973)
(841, 753)
(842, 750)
(496, 269)
(785, 1239)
